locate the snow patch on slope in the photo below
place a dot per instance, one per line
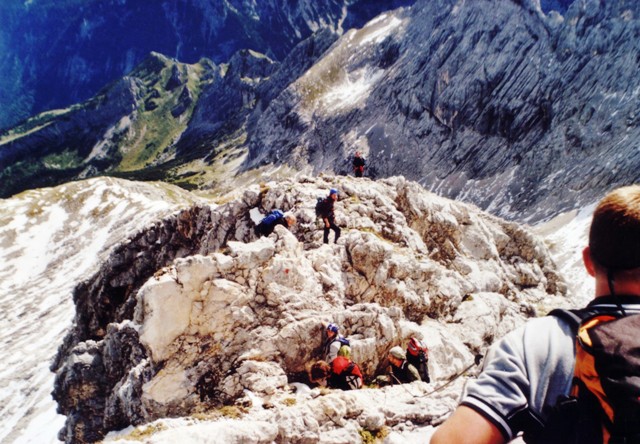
(353, 90)
(333, 85)
(50, 240)
(380, 28)
(566, 235)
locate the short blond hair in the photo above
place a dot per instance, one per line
(614, 236)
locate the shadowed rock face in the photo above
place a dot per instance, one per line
(489, 102)
(192, 312)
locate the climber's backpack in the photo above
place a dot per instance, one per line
(604, 402)
(422, 367)
(346, 374)
(320, 205)
(272, 217)
(418, 356)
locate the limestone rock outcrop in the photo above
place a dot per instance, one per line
(195, 313)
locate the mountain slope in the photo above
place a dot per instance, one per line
(51, 240)
(130, 125)
(166, 120)
(489, 102)
(55, 53)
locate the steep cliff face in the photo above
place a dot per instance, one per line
(227, 108)
(196, 313)
(490, 102)
(58, 53)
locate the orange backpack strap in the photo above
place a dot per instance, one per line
(566, 421)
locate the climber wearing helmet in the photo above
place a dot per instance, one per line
(418, 356)
(401, 371)
(342, 373)
(333, 342)
(328, 216)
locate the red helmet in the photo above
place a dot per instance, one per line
(416, 346)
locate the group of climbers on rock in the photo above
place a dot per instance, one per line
(338, 370)
(324, 210)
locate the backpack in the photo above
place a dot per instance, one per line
(319, 206)
(418, 356)
(272, 217)
(345, 374)
(604, 402)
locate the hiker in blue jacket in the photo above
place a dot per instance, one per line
(269, 222)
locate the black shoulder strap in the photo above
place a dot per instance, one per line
(572, 317)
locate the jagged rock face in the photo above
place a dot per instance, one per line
(51, 66)
(196, 312)
(489, 102)
(247, 88)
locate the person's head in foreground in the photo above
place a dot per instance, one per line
(532, 367)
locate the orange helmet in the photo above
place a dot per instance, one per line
(416, 346)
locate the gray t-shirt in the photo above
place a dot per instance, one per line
(526, 371)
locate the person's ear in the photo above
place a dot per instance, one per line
(588, 261)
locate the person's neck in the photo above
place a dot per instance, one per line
(625, 287)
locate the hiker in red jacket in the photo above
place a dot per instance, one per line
(342, 373)
(358, 164)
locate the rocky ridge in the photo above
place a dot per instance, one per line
(194, 313)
